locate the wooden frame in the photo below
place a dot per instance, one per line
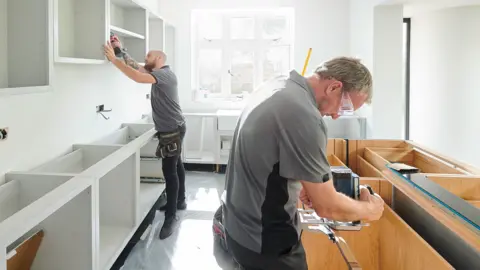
(368, 158)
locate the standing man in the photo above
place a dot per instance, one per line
(169, 123)
(279, 154)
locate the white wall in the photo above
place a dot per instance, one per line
(361, 44)
(320, 24)
(445, 65)
(43, 126)
(376, 38)
(388, 106)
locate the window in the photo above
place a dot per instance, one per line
(235, 51)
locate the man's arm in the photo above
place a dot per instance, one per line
(130, 72)
(134, 74)
(302, 144)
(330, 204)
(129, 61)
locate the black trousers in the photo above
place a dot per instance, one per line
(174, 174)
(295, 259)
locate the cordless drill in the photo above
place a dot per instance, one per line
(119, 52)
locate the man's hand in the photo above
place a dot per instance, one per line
(375, 204)
(109, 52)
(304, 198)
(115, 42)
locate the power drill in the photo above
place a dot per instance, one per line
(119, 52)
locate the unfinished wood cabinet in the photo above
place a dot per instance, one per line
(391, 243)
(430, 215)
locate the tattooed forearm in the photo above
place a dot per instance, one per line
(130, 61)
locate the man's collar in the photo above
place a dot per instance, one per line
(163, 67)
(302, 81)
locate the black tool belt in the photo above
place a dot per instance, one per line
(169, 144)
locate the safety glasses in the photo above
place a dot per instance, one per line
(346, 105)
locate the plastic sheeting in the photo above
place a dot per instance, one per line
(192, 245)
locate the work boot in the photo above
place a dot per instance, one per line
(181, 205)
(169, 226)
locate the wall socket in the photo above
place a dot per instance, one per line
(3, 133)
(148, 96)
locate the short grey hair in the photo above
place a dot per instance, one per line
(351, 72)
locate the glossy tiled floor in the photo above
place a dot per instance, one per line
(192, 246)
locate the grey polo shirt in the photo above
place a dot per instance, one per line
(277, 142)
(166, 112)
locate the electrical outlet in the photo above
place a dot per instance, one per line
(148, 96)
(3, 133)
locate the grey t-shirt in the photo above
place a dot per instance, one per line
(277, 142)
(166, 112)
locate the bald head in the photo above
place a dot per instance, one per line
(155, 59)
(160, 54)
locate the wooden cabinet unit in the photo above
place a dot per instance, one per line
(417, 230)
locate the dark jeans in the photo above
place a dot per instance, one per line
(174, 174)
(295, 259)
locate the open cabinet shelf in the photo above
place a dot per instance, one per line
(80, 30)
(129, 22)
(25, 34)
(125, 33)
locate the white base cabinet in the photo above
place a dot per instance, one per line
(88, 202)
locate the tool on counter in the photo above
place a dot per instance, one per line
(348, 183)
(403, 168)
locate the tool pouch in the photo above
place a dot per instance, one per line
(169, 144)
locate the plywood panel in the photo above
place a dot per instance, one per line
(402, 248)
(460, 165)
(25, 253)
(357, 148)
(375, 159)
(395, 154)
(465, 187)
(322, 254)
(341, 150)
(428, 164)
(366, 169)
(475, 203)
(373, 182)
(331, 147)
(333, 160)
(436, 211)
(379, 163)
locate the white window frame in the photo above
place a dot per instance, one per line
(258, 45)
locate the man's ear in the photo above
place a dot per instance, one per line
(334, 87)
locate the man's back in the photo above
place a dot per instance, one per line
(260, 206)
(166, 112)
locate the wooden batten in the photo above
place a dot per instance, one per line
(411, 157)
(333, 160)
(457, 164)
(357, 148)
